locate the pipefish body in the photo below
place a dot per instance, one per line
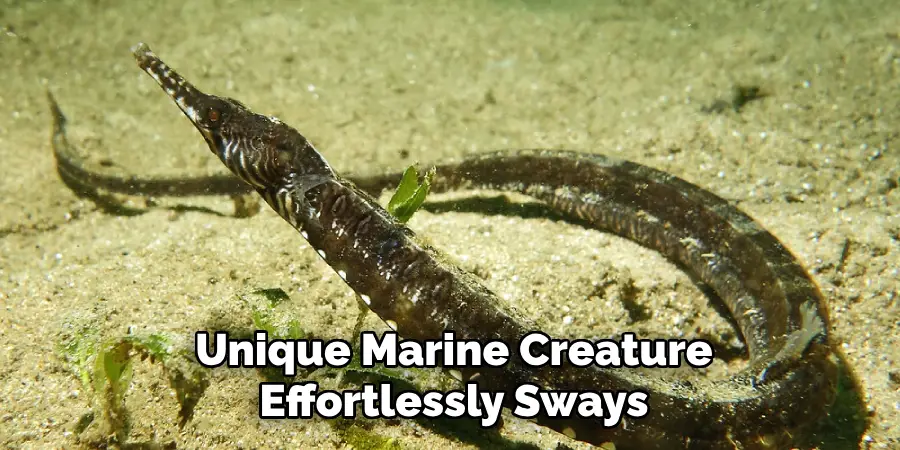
(791, 375)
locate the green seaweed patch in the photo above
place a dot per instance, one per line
(77, 349)
(358, 433)
(111, 379)
(262, 304)
(274, 296)
(105, 369)
(263, 321)
(410, 194)
(361, 438)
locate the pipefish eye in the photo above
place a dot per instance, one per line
(214, 113)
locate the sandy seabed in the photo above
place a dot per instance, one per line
(379, 86)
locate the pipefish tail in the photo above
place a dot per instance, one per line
(791, 375)
(74, 170)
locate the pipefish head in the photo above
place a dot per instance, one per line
(260, 150)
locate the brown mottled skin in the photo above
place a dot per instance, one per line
(791, 376)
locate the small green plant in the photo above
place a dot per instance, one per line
(262, 303)
(78, 347)
(111, 379)
(105, 369)
(410, 194)
(355, 434)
